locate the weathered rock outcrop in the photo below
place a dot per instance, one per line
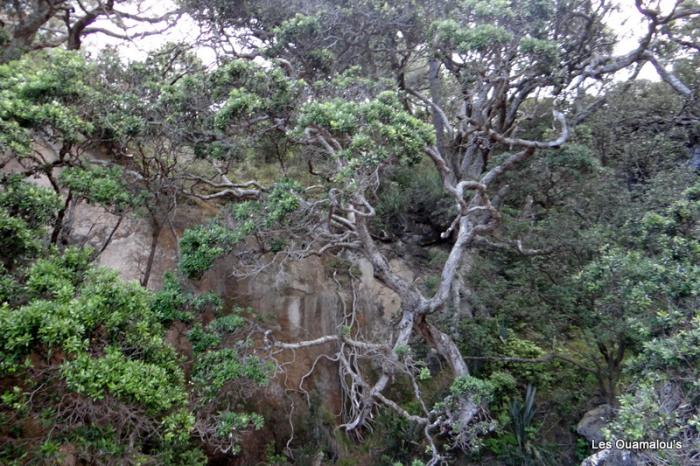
(302, 300)
(299, 301)
(592, 424)
(612, 457)
(591, 427)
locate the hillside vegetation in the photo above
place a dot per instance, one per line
(496, 167)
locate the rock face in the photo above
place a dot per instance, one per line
(297, 303)
(590, 427)
(128, 250)
(592, 423)
(695, 157)
(302, 300)
(612, 457)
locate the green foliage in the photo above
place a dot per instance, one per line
(102, 301)
(25, 211)
(178, 426)
(147, 384)
(172, 302)
(296, 28)
(637, 286)
(281, 201)
(378, 129)
(16, 239)
(77, 340)
(229, 421)
(424, 374)
(481, 391)
(519, 444)
(504, 383)
(42, 91)
(202, 339)
(100, 185)
(9, 287)
(544, 50)
(402, 350)
(15, 399)
(396, 438)
(522, 415)
(665, 370)
(214, 369)
(227, 324)
(104, 341)
(253, 90)
(57, 277)
(450, 34)
(202, 245)
(33, 204)
(521, 348)
(207, 300)
(84, 334)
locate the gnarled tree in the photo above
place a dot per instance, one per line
(453, 82)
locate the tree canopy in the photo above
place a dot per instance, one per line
(543, 196)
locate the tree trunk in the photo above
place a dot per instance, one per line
(435, 95)
(609, 375)
(111, 235)
(155, 234)
(59, 219)
(444, 345)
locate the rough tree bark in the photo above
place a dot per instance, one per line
(156, 228)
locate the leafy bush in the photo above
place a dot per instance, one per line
(87, 338)
(25, 212)
(227, 324)
(230, 421)
(133, 381)
(40, 92)
(378, 129)
(481, 391)
(202, 339)
(172, 302)
(202, 245)
(214, 369)
(99, 185)
(36, 205)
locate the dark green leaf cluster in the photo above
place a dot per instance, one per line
(172, 302)
(450, 34)
(36, 206)
(42, 92)
(250, 90)
(99, 185)
(85, 334)
(230, 421)
(666, 369)
(204, 338)
(25, 211)
(375, 130)
(215, 368)
(134, 381)
(479, 390)
(202, 245)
